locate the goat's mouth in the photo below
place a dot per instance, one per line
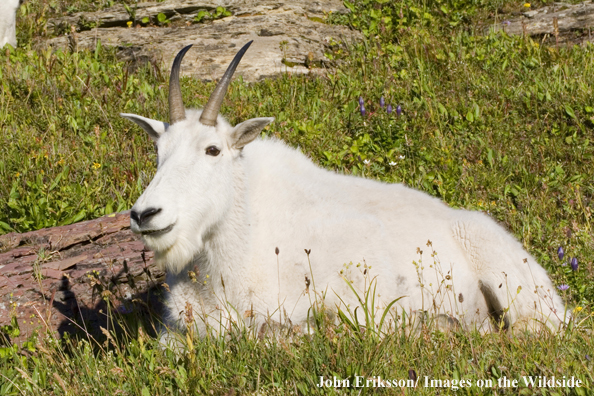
(162, 231)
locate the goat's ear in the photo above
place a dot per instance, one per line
(153, 127)
(248, 130)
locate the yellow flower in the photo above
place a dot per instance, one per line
(527, 5)
(577, 309)
(17, 174)
(129, 23)
(61, 162)
(96, 165)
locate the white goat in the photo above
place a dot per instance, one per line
(229, 216)
(8, 10)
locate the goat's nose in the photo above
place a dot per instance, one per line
(145, 215)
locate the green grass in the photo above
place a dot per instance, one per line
(489, 122)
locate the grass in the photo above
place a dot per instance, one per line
(489, 122)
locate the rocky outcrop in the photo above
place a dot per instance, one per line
(289, 36)
(72, 278)
(559, 23)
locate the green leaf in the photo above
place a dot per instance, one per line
(5, 226)
(470, 116)
(56, 181)
(569, 111)
(442, 109)
(349, 5)
(201, 16)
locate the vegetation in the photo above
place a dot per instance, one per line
(486, 122)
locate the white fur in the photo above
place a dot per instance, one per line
(231, 211)
(8, 10)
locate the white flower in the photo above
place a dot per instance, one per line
(392, 163)
(366, 162)
(402, 157)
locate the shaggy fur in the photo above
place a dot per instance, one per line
(230, 212)
(8, 10)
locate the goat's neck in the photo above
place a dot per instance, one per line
(226, 249)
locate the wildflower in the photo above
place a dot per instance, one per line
(129, 23)
(527, 5)
(402, 157)
(588, 357)
(96, 165)
(366, 162)
(123, 309)
(362, 109)
(361, 101)
(382, 102)
(392, 163)
(506, 23)
(577, 309)
(398, 110)
(192, 276)
(563, 287)
(560, 253)
(574, 264)
(17, 174)
(389, 109)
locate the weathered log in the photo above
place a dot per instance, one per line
(69, 279)
(289, 36)
(559, 22)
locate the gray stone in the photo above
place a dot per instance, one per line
(289, 36)
(573, 21)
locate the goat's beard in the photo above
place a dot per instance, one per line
(176, 257)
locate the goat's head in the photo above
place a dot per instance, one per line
(193, 189)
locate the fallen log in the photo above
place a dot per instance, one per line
(70, 279)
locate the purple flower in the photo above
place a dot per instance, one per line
(507, 23)
(398, 110)
(389, 109)
(361, 101)
(123, 309)
(588, 357)
(560, 253)
(574, 264)
(382, 102)
(362, 109)
(562, 287)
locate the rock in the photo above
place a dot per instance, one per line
(567, 22)
(289, 36)
(61, 279)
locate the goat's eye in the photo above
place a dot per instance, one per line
(212, 150)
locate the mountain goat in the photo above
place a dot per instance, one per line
(8, 10)
(229, 215)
